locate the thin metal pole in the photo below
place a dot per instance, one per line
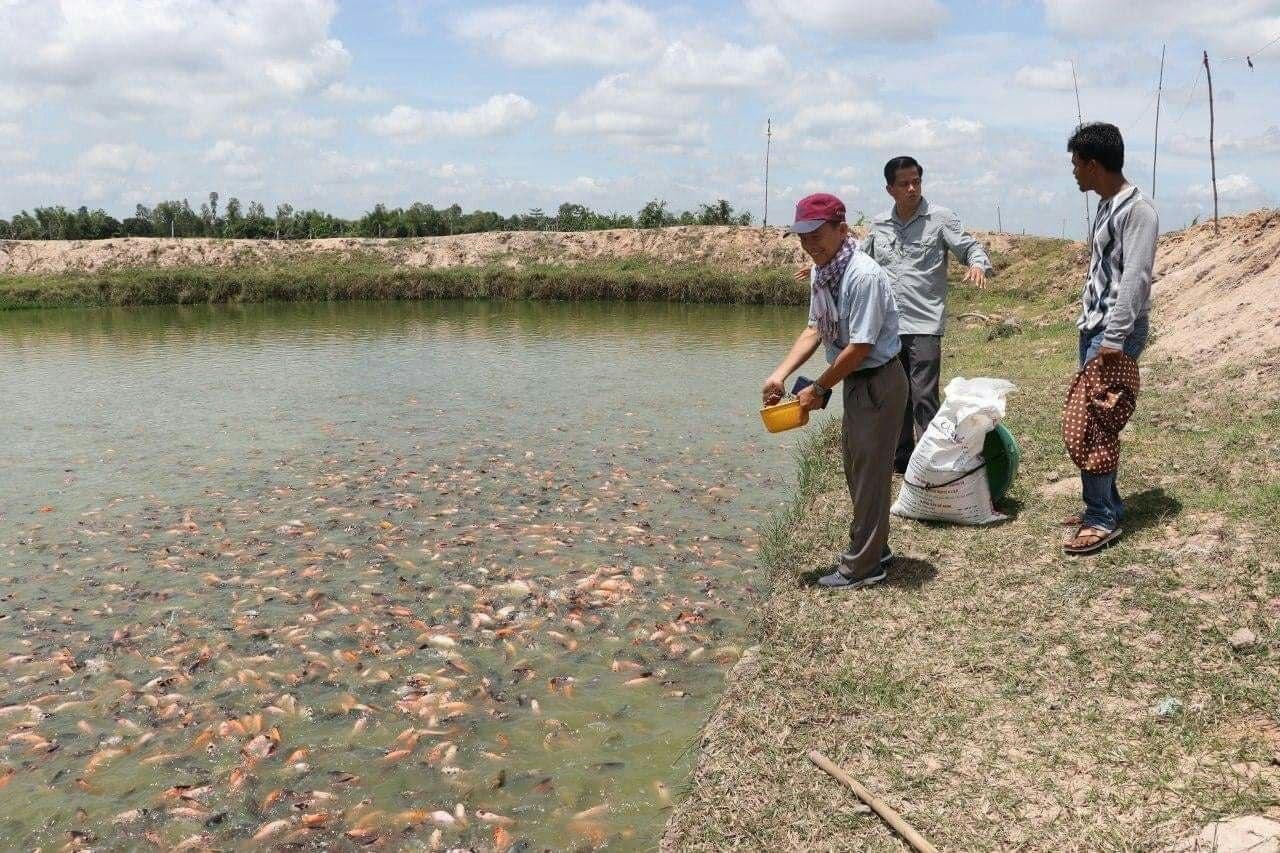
(768, 143)
(1088, 226)
(1213, 163)
(1155, 146)
(999, 221)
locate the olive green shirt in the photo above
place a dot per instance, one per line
(914, 254)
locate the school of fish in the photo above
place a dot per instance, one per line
(492, 650)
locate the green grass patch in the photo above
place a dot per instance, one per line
(631, 279)
(994, 682)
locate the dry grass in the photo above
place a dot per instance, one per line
(997, 693)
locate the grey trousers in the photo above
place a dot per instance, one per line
(921, 357)
(873, 402)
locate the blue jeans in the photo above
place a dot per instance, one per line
(1103, 507)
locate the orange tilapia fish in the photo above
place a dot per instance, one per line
(270, 829)
(355, 585)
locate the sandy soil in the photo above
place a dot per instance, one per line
(1217, 297)
(731, 246)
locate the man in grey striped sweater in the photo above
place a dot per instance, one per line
(1116, 301)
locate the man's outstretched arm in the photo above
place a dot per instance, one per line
(806, 344)
(967, 250)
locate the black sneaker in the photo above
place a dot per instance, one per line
(839, 580)
(836, 568)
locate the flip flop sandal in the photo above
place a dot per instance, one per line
(1097, 545)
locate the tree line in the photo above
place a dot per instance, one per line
(236, 220)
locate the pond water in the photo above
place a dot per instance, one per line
(423, 575)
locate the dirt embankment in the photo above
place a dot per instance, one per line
(1217, 296)
(732, 247)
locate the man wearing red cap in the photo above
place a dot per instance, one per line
(852, 313)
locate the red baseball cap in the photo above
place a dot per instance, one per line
(813, 210)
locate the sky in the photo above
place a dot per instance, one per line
(611, 103)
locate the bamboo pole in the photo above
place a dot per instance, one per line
(906, 830)
(1213, 163)
(1155, 146)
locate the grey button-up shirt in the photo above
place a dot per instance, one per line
(914, 254)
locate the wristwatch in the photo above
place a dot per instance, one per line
(821, 389)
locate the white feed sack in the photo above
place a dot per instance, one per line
(946, 479)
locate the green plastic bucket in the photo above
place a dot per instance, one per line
(1003, 455)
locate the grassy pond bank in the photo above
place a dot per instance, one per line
(741, 266)
(996, 693)
(319, 281)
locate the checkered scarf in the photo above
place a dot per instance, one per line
(826, 286)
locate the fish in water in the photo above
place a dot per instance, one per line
(349, 624)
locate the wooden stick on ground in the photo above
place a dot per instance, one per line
(915, 839)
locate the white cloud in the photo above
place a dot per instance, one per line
(583, 186)
(838, 114)
(632, 110)
(351, 94)
(835, 84)
(1197, 147)
(1034, 195)
(1187, 146)
(226, 151)
(604, 33)
(13, 156)
(110, 157)
(12, 98)
(861, 20)
(866, 123)
(136, 57)
(1267, 142)
(236, 161)
(684, 66)
(499, 114)
(662, 106)
(452, 171)
(1236, 188)
(1054, 77)
(306, 126)
(1233, 25)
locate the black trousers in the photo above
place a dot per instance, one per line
(921, 357)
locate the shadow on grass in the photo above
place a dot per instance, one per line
(905, 573)
(911, 573)
(1009, 506)
(1149, 508)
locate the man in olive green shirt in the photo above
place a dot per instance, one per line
(911, 242)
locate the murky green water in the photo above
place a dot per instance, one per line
(409, 574)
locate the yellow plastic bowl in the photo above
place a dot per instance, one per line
(784, 416)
